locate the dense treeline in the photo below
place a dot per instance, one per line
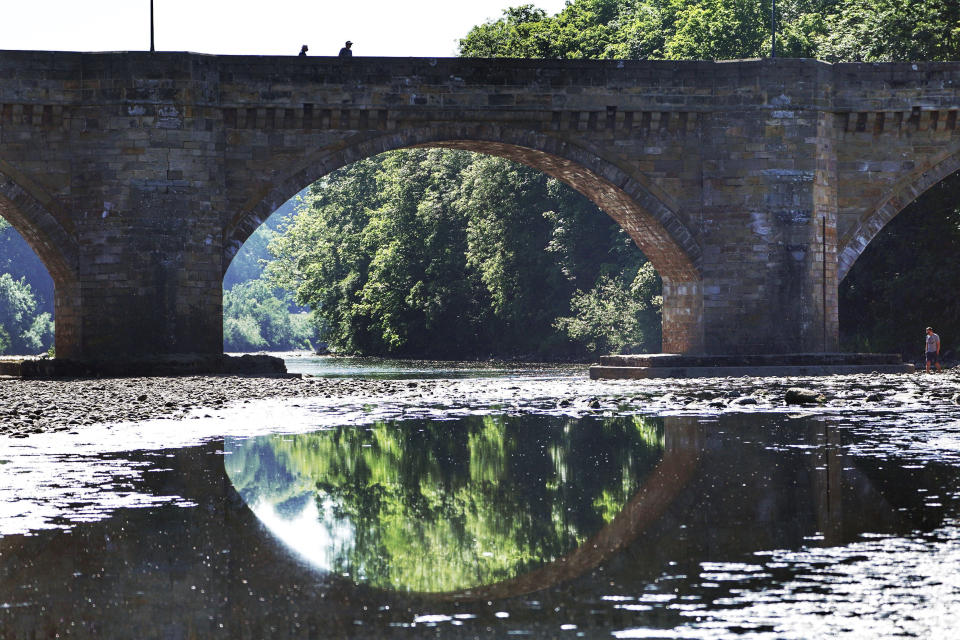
(452, 254)
(832, 30)
(256, 315)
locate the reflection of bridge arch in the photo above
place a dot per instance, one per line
(643, 211)
(681, 456)
(34, 215)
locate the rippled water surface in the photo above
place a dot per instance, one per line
(544, 526)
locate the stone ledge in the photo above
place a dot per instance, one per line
(185, 364)
(748, 360)
(668, 365)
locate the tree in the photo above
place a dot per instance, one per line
(446, 254)
(892, 30)
(613, 318)
(20, 261)
(256, 316)
(22, 330)
(250, 260)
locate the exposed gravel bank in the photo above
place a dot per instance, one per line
(34, 406)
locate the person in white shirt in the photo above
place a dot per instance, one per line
(933, 349)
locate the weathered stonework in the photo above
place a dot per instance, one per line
(752, 186)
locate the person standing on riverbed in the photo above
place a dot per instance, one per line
(933, 349)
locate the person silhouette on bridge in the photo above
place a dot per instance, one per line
(304, 49)
(933, 349)
(345, 52)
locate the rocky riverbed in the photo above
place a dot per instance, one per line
(30, 407)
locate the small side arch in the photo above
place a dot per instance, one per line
(646, 214)
(57, 250)
(901, 194)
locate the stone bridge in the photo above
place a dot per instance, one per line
(752, 186)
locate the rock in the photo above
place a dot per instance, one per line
(796, 395)
(877, 397)
(745, 400)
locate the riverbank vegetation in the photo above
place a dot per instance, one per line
(26, 297)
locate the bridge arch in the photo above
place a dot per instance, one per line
(57, 250)
(895, 200)
(645, 213)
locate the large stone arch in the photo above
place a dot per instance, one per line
(897, 198)
(645, 213)
(55, 247)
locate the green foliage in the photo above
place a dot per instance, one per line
(256, 317)
(613, 318)
(19, 260)
(892, 30)
(250, 260)
(26, 297)
(23, 330)
(835, 30)
(445, 254)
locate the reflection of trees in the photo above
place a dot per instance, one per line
(439, 506)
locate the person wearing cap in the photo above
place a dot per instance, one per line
(933, 349)
(345, 51)
(304, 49)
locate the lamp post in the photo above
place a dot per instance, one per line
(773, 28)
(152, 49)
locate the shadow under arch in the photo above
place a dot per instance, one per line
(895, 200)
(637, 206)
(57, 250)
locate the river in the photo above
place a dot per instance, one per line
(296, 519)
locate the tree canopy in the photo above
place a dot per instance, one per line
(451, 254)
(832, 30)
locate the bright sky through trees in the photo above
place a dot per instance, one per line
(275, 27)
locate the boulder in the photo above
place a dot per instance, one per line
(796, 395)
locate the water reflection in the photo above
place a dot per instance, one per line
(762, 526)
(433, 506)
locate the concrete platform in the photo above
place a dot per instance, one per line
(670, 365)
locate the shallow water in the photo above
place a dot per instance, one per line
(384, 368)
(721, 526)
